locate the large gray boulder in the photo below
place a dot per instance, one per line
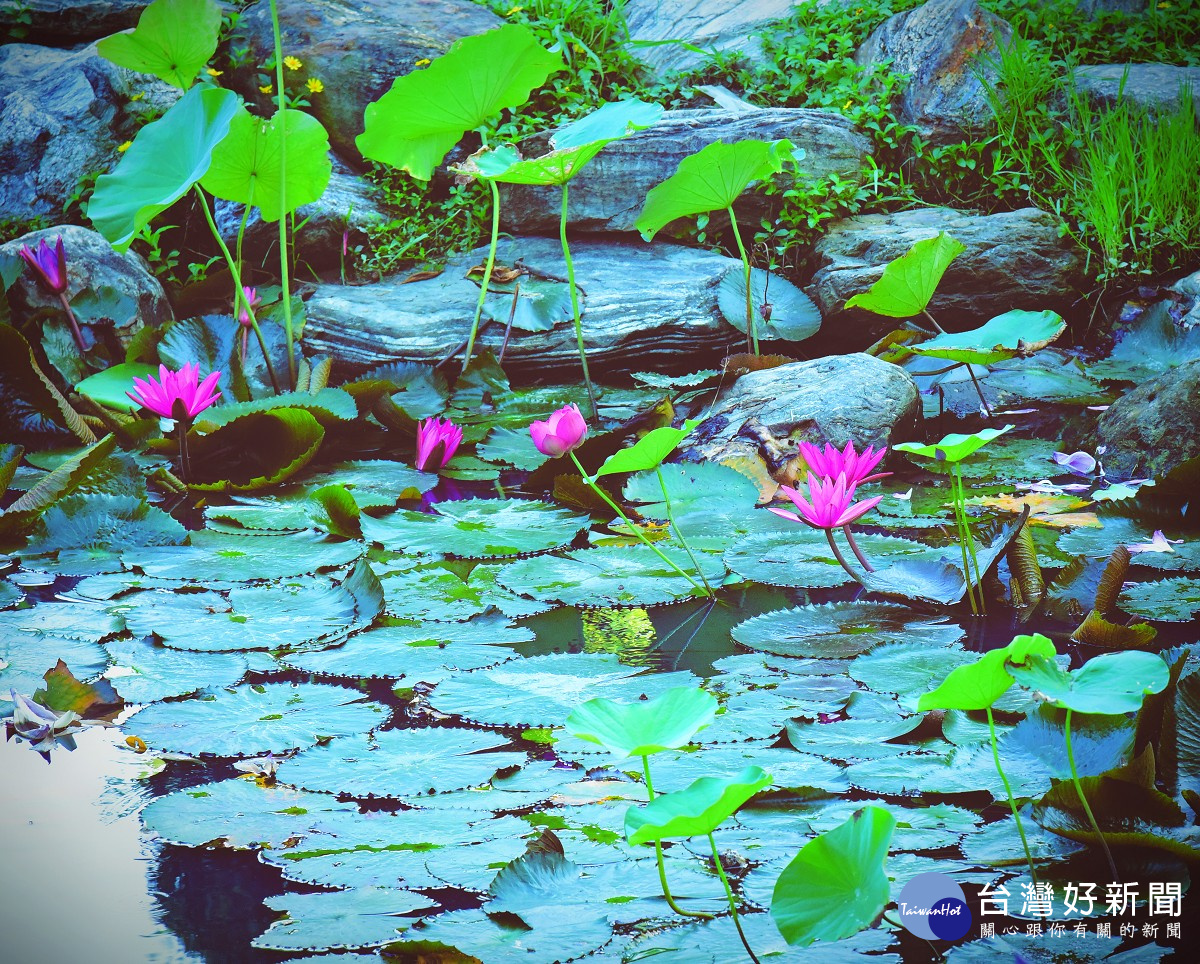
(62, 115)
(608, 194)
(356, 48)
(1154, 427)
(1014, 259)
(940, 46)
(838, 399)
(724, 26)
(66, 23)
(1156, 87)
(647, 307)
(92, 264)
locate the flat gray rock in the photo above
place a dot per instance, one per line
(726, 26)
(609, 193)
(1154, 427)
(839, 398)
(1157, 87)
(647, 307)
(1014, 259)
(939, 45)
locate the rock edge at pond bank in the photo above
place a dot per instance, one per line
(646, 307)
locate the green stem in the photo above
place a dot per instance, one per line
(658, 855)
(624, 518)
(1012, 804)
(239, 295)
(487, 273)
(729, 893)
(962, 501)
(283, 245)
(679, 532)
(562, 233)
(237, 248)
(751, 328)
(960, 524)
(837, 554)
(73, 322)
(1112, 864)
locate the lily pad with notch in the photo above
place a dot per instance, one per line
(143, 672)
(785, 313)
(340, 920)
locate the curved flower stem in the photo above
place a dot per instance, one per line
(636, 529)
(679, 532)
(858, 553)
(1112, 864)
(751, 328)
(283, 239)
(239, 295)
(837, 554)
(562, 233)
(658, 854)
(964, 536)
(487, 274)
(185, 463)
(1012, 804)
(73, 322)
(969, 542)
(732, 902)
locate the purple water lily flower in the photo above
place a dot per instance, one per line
(48, 264)
(41, 727)
(1080, 463)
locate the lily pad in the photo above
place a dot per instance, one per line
(143, 672)
(258, 719)
(1006, 336)
(340, 920)
(852, 739)
(25, 658)
(217, 558)
(792, 315)
(1175, 600)
(801, 557)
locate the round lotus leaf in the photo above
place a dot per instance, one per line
(838, 630)
(239, 813)
(400, 764)
(59, 621)
(477, 528)
(1013, 333)
(801, 558)
(954, 447)
(667, 722)
(506, 939)
(905, 668)
(219, 559)
(143, 672)
(852, 739)
(1112, 683)
(339, 920)
(780, 310)
(610, 576)
(961, 770)
(698, 809)
(264, 515)
(543, 690)
(258, 719)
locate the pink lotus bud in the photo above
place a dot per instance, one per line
(564, 431)
(437, 442)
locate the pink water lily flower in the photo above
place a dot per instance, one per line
(437, 442)
(178, 395)
(830, 504)
(48, 264)
(563, 432)
(253, 300)
(855, 466)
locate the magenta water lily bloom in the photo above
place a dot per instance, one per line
(830, 504)
(48, 264)
(253, 300)
(857, 467)
(437, 441)
(179, 395)
(563, 432)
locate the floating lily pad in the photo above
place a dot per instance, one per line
(1174, 600)
(543, 690)
(217, 558)
(1006, 336)
(801, 558)
(852, 739)
(477, 528)
(258, 719)
(143, 672)
(262, 515)
(511, 446)
(961, 770)
(25, 658)
(838, 630)
(504, 938)
(400, 764)
(610, 576)
(905, 668)
(789, 770)
(341, 920)
(376, 481)
(95, 523)
(431, 594)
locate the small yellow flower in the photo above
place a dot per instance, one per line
(122, 148)
(137, 97)
(266, 88)
(291, 63)
(314, 86)
(423, 62)
(1164, 5)
(848, 105)
(213, 73)
(514, 10)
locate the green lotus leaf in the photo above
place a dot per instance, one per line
(793, 316)
(799, 557)
(173, 39)
(540, 305)
(702, 486)
(954, 447)
(109, 386)
(254, 720)
(426, 112)
(1175, 600)
(906, 667)
(699, 809)
(667, 722)
(400, 764)
(673, 771)
(838, 630)
(908, 283)
(376, 482)
(1111, 683)
(249, 168)
(272, 446)
(648, 452)
(836, 886)
(711, 180)
(978, 685)
(1005, 336)
(340, 920)
(959, 770)
(143, 672)
(165, 160)
(431, 594)
(512, 447)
